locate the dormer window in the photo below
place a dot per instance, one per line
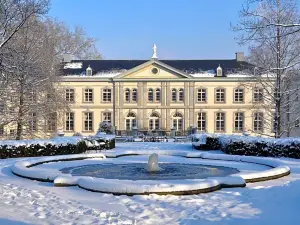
(89, 71)
(219, 71)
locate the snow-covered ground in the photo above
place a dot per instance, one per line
(24, 201)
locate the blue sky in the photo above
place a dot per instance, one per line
(127, 29)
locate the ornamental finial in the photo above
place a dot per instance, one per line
(154, 52)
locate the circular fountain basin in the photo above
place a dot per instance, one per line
(138, 171)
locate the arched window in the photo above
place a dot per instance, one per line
(150, 95)
(178, 121)
(154, 121)
(181, 95)
(127, 95)
(174, 95)
(130, 121)
(134, 95)
(157, 95)
(89, 71)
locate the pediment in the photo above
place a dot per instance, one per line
(153, 69)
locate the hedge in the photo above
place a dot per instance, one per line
(251, 146)
(35, 150)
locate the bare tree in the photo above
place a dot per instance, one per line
(13, 16)
(271, 28)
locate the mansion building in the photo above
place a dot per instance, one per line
(162, 95)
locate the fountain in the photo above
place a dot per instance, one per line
(152, 165)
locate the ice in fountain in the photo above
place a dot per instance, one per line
(153, 163)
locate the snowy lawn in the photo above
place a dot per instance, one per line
(25, 201)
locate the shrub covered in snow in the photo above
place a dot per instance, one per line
(255, 146)
(106, 127)
(51, 147)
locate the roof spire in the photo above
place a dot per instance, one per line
(154, 52)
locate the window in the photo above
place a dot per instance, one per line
(258, 122)
(2, 107)
(106, 95)
(1, 130)
(107, 117)
(88, 121)
(258, 95)
(154, 121)
(201, 97)
(51, 122)
(174, 95)
(33, 122)
(150, 95)
(202, 121)
(32, 96)
(157, 95)
(70, 121)
(297, 123)
(130, 121)
(70, 95)
(220, 95)
(134, 95)
(239, 122)
(89, 71)
(220, 122)
(181, 95)
(239, 95)
(127, 95)
(219, 71)
(12, 132)
(88, 95)
(177, 121)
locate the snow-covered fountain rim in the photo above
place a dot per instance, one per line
(26, 169)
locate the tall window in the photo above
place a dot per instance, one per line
(2, 107)
(106, 95)
(33, 122)
(88, 121)
(258, 121)
(239, 95)
(220, 122)
(157, 95)
(107, 117)
(174, 95)
(134, 95)
(181, 95)
(202, 121)
(70, 95)
(32, 96)
(127, 95)
(88, 95)
(70, 121)
(258, 94)
(201, 95)
(150, 95)
(1, 130)
(177, 121)
(51, 122)
(130, 121)
(154, 121)
(239, 121)
(220, 95)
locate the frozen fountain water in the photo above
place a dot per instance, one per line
(152, 165)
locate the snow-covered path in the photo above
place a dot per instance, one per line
(24, 201)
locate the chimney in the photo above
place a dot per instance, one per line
(240, 57)
(67, 57)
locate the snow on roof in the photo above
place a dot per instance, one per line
(73, 65)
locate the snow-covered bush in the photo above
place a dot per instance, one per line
(255, 146)
(106, 127)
